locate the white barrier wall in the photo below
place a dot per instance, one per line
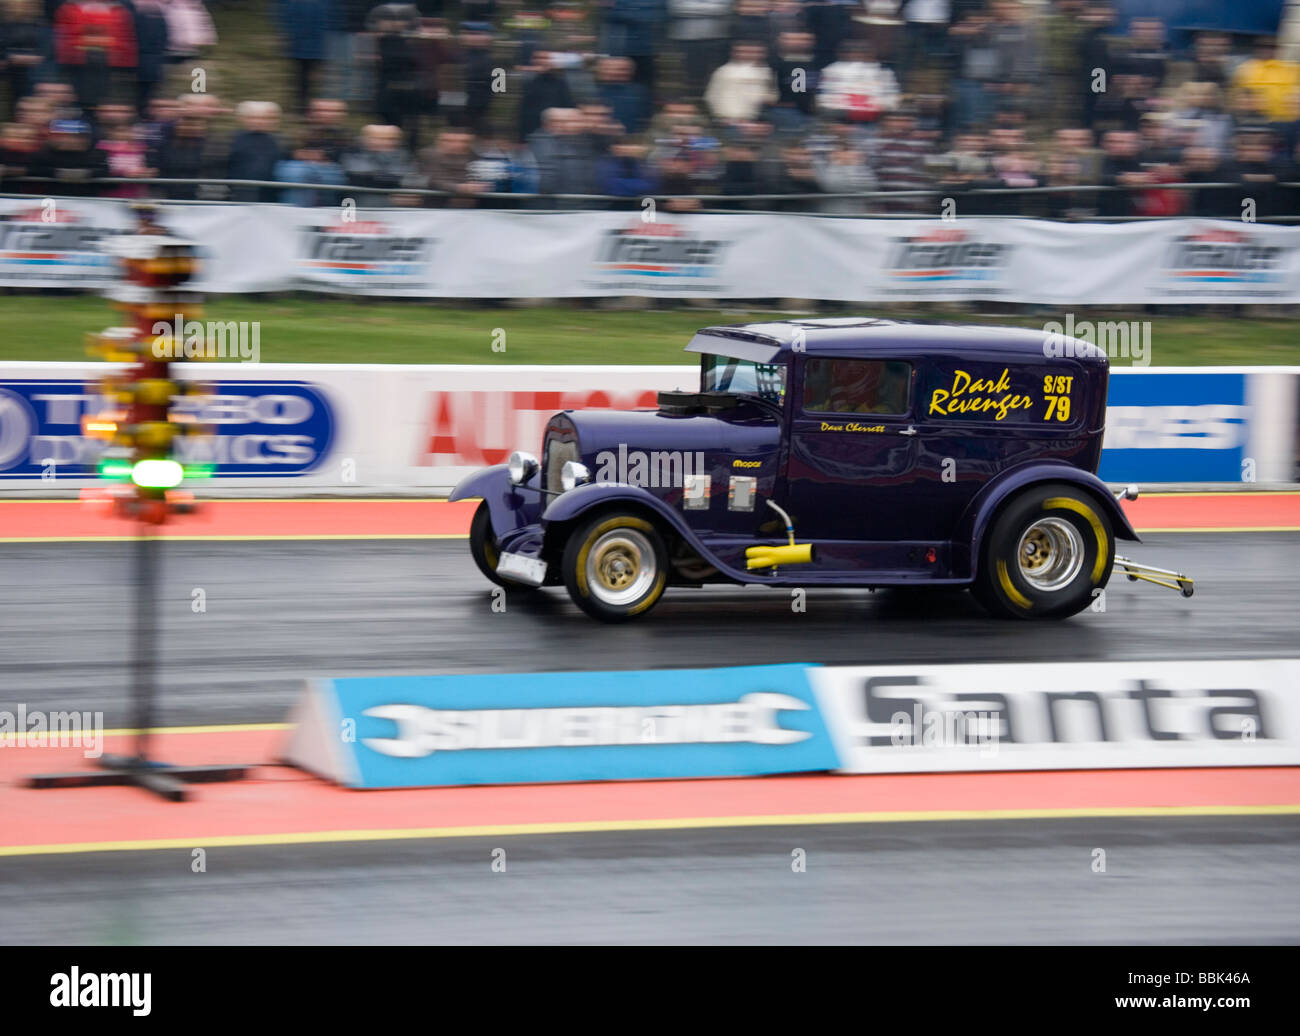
(314, 428)
(308, 428)
(457, 253)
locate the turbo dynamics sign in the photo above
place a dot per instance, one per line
(261, 429)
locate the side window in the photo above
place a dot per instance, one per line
(856, 386)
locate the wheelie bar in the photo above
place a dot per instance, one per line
(1160, 576)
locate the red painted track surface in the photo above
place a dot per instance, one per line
(307, 519)
(247, 519)
(283, 805)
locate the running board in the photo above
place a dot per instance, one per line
(1160, 576)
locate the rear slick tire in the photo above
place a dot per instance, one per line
(1047, 555)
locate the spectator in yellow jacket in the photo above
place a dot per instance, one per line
(1272, 80)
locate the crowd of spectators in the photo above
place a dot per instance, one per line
(820, 105)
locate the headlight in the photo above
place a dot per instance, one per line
(573, 474)
(522, 467)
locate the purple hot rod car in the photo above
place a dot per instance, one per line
(844, 452)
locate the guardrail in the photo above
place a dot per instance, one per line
(711, 202)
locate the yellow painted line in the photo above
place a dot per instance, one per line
(661, 824)
(1263, 494)
(233, 539)
(214, 728)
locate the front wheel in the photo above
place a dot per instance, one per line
(1047, 555)
(483, 548)
(615, 566)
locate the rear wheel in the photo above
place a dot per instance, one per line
(1046, 555)
(615, 566)
(483, 548)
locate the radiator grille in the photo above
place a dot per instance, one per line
(555, 454)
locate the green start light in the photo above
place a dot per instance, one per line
(198, 471)
(115, 469)
(157, 474)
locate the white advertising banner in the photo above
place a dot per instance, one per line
(1061, 716)
(456, 253)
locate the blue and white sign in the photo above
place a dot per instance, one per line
(262, 429)
(1175, 427)
(414, 731)
(528, 728)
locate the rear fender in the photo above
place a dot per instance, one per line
(979, 514)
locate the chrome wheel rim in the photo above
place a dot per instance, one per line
(1050, 554)
(620, 567)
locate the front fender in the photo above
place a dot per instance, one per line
(583, 498)
(979, 513)
(481, 483)
(511, 507)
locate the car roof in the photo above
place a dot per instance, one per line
(774, 341)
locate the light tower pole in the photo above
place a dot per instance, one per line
(141, 430)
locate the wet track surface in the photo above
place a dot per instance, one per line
(277, 612)
(1226, 880)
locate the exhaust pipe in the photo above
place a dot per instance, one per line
(791, 553)
(770, 557)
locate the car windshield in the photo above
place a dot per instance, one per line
(728, 374)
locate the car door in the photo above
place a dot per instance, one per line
(852, 451)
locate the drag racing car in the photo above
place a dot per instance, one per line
(841, 452)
